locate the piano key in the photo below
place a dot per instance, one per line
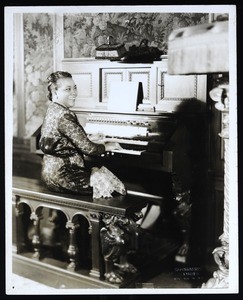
(126, 141)
(128, 151)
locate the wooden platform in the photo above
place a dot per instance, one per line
(54, 274)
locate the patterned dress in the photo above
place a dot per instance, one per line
(64, 142)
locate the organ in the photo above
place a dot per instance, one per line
(150, 146)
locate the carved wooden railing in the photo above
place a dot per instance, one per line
(111, 225)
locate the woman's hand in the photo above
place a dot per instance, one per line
(97, 138)
(110, 146)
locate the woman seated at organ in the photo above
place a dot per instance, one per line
(64, 143)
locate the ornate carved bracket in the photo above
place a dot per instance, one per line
(119, 237)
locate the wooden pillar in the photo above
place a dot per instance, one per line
(97, 270)
(221, 254)
(19, 73)
(21, 231)
(36, 217)
(72, 249)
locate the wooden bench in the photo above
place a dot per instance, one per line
(99, 215)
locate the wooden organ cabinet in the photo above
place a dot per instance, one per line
(162, 162)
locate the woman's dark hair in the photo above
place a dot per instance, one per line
(52, 81)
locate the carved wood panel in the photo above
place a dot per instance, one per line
(176, 87)
(175, 92)
(108, 76)
(126, 74)
(141, 75)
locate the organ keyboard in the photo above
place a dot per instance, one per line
(133, 133)
(150, 148)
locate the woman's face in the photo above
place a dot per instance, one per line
(66, 92)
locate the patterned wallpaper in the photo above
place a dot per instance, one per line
(84, 32)
(38, 64)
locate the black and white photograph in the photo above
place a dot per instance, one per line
(121, 150)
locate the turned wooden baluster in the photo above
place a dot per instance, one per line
(21, 228)
(36, 217)
(72, 249)
(97, 269)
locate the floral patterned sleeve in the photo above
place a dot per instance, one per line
(70, 127)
